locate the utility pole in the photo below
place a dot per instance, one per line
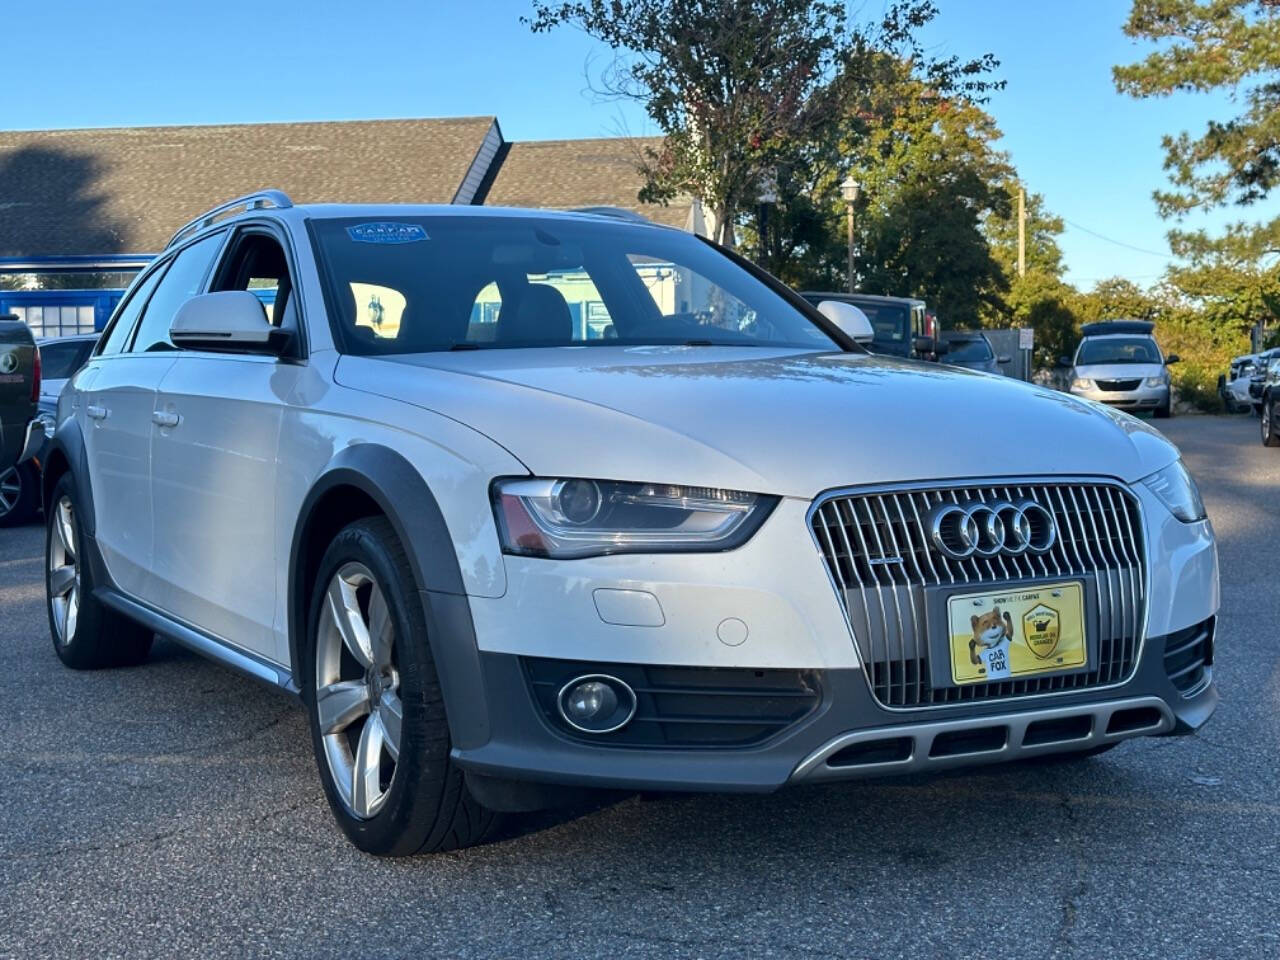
(1022, 232)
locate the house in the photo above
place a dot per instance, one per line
(82, 210)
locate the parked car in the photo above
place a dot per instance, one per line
(60, 358)
(1269, 400)
(903, 326)
(971, 349)
(1119, 363)
(19, 388)
(1258, 381)
(1233, 386)
(501, 560)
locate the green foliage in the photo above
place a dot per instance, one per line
(741, 88)
(1207, 45)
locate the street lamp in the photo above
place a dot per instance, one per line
(850, 189)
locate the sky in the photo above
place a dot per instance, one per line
(1094, 154)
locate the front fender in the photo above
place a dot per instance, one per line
(404, 497)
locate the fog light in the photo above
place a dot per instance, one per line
(596, 703)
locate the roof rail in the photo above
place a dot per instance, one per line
(250, 201)
(617, 213)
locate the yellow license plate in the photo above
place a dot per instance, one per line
(1010, 633)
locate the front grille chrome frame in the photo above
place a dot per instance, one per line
(1068, 490)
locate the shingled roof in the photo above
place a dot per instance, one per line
(563, 174)
(125, 190)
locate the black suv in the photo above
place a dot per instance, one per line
(19, 391)
(1268, 379)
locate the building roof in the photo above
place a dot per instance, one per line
(566, 174)
(125, 190)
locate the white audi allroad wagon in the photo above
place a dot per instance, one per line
(520, 503)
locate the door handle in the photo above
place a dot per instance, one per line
(163, 419)
(96, 411)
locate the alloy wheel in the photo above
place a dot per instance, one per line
(10, 490)
(358, 704)
(64, 571)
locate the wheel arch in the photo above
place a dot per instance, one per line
(66, 454)
(372, 480)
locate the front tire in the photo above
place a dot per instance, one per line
(1271, 422)
(378, 724)
(87, 635)
(19, 494)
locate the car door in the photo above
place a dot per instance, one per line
(119, 409)
(214, 475)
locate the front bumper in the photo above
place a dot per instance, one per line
(847, 736)
(1143, 398)
(769, 606)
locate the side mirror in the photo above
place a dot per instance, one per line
(231, 320)
(1004, 359)
(10, 317)
(849, 319)
(1171, 359)
(1063, 363)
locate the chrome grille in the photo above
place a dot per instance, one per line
(882, 560)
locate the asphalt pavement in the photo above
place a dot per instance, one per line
(174, 810)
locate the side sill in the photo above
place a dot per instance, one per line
(198, 642)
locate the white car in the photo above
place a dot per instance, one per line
(521, 503)
(1234, 387)
(1120, 364)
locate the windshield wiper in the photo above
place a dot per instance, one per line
(464, 345)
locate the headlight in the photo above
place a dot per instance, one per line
(1081, 383)
(1177, 491)
(1157, 381)
(565, 519)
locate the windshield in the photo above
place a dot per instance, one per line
(1118, 350)
(968, 350)
(59, 361)
(412, 285)
(892, 324)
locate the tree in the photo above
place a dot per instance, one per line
(1210, 45)
(738, 87)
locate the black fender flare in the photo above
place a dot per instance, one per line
(404, 497)
(68, 443)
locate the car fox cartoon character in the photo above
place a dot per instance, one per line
(988, 630)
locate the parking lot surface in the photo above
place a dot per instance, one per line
(174, 810)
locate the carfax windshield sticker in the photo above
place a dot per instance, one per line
(387, 232)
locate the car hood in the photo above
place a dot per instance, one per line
(773, 421)
(1120, 371)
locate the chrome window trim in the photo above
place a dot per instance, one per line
(960, 484)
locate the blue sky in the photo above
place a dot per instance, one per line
(1094, 154)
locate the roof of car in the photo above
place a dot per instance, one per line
(854, 297)
(963, 335)
(1109, 328)
(69, 338)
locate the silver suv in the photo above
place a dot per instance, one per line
(1119, 363)
(520, 503)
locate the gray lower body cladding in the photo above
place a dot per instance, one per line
(846, 734)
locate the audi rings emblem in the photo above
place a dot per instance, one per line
(985, 529)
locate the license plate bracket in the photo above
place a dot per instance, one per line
(1070, 605)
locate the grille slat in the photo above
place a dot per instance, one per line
(877, 543)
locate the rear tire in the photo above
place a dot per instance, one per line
(1271, 422)
(19, 494)
(87, 635)
(377, 717)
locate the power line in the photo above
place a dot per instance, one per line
(1118, 243)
